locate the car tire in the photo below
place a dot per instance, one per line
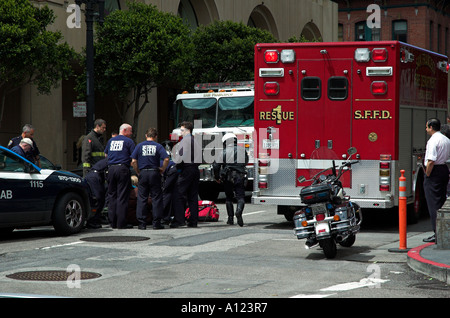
(69, 214)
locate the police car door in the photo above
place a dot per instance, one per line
(22, 197)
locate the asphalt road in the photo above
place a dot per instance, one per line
(262, 260)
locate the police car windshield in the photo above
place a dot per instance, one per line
(197, 109)
(235, 111)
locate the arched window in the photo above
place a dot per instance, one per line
(187, 13)
(111, 5)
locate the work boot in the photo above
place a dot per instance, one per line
(230, 212)
(239, 210)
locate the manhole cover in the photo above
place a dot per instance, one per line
(53, 276)
(113, 239)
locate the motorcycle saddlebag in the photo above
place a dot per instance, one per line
(207, 212)
(316, 193)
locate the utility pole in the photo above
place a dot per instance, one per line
(93, 8)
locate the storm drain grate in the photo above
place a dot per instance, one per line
(52, 276)
(114, 239)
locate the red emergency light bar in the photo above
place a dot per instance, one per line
(225, 85)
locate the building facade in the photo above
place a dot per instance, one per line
(57, 127)
(425, 24)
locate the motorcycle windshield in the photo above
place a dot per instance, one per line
(320, 163)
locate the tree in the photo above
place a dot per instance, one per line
(137, 50)
(224, 51)
(29, 53)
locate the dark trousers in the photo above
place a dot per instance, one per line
(97, 187)
(187, 191)
(169, 187)
(234, 186)
(149, 184)
(435, 188)
(119, 185)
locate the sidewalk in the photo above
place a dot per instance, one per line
(429, 260)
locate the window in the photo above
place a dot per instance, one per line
(235, 112)
(340, 32)
(311, 88)
(337, 88)
(197, 109)
(9, 162)
(360, 31)
(399, 30)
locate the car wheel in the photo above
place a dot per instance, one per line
(69, 214)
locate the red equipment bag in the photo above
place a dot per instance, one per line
(207, 212)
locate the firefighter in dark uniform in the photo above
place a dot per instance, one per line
(229, 168)
(118, 152)
(92, 146)
(188, 156)
(146, 159)
(27, 132)
(96, 181)
(170, 178)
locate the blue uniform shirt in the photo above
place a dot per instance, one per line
(119, 150)
(149, 154)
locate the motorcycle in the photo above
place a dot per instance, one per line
(328, 217)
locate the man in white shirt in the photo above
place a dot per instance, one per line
(436, 170)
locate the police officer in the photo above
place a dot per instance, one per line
(230, 164)
(96, 181)
(92, 146)
(187, 156)
(146, 159)
(27, 132)
(118, 152)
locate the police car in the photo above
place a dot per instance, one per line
(31, 196)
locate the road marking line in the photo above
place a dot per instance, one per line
(60, 245)
(256, 212)
(365, 282)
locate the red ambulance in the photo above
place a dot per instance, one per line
(313, 101)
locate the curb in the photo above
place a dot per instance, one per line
(428, 267)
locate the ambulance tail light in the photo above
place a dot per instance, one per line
(263, 170)
(262, 183)
(271, 88)
(379, 55)
(378, 87)
(385, 172)
(271, 56)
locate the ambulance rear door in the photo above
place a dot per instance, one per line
(324, 113)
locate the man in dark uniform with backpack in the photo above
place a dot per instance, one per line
(229, 168)
(146, 159)
(118, 151)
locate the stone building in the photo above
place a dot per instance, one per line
(57, 129)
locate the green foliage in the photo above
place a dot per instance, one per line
(28, 52)
(224, 51)
(140, 48)
(136, 50)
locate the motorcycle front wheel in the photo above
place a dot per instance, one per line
(329, 247)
